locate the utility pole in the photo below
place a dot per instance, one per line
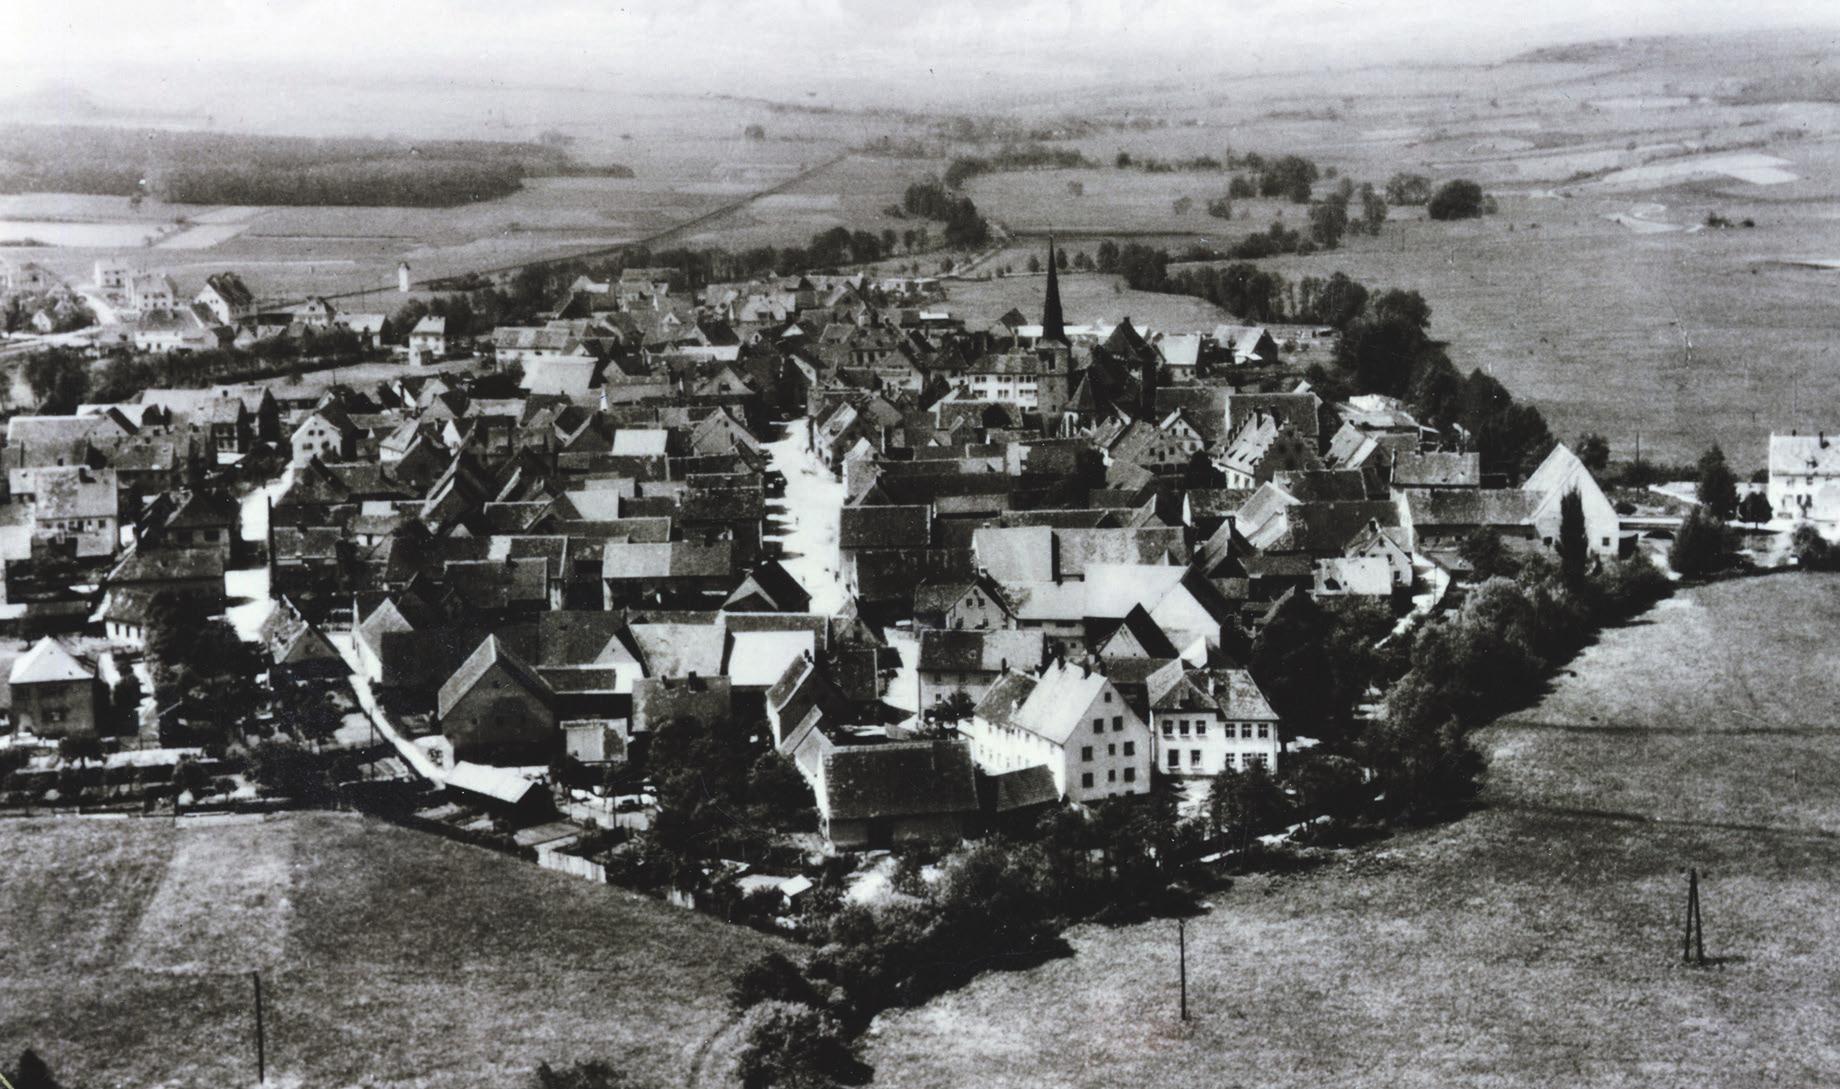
(1693, 942)
(1182, 958)
(261, 1057)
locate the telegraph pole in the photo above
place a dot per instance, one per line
(1693, 942)
(1182, 959)
(261, 1057)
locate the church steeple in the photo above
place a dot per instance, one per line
(1053, 325)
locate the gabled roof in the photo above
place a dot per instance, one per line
(678, 650)
(1051, 706)
(1139, 637)
(914, 778)
(492, 652)
(49, 663)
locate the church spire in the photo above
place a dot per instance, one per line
(1053, 325)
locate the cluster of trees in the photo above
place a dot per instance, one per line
(1287, 176)
(931, 199)
(1491, 655)
(200, 662)
(1388, 350)
(1330, 218)
(1405, 189)
(224, 168)
(16, 313)
(1030, 156)
(1243, 288)
(714, 801)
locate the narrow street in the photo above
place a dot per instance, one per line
(805, 522)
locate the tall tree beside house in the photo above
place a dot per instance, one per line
(1574, 546)
(201, 662)
(1718, 485)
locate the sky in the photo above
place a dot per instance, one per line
(193, 54)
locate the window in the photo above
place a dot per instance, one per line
(1108, 697)
(1130, 748)
(1130, 775)
(1117, 723)
(1200, 729)
(1194, 758)
(1098, 725)
(1245, 729)
(1264, 729)
(1086, 753)
(1169, 728)
(1111, 776)
(1255, 759)
(1175, 759)
(1184, 725)
(1111, 750)
(1086, 779)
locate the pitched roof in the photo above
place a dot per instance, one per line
(759, 658)
(1050, 706)
(913, 778)
(981, 651)
(1020, 789)
(1437, 469)
(48, 663)
(678, 650)
(884, 527)
(488, 654)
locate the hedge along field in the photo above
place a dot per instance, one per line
(1533, 943)
(387, 956)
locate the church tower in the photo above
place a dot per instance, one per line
(1054, 356)
(1053, 325)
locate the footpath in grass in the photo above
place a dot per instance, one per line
(1534, 943)
(388, 958)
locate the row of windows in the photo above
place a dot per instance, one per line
(1248, 761)
(1099, 724)
(1130, 749)
(1130, 776)
(1171, 727)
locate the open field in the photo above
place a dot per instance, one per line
(388, 957)
(1536, 942)
(1085, 297)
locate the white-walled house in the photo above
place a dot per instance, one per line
(1210, 720)
(1069, 719)
(1805, 476)
(1558, 475)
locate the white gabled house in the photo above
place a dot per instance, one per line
(1560, 474)
(1069, 719)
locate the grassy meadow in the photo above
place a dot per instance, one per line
(1534, 943)
(388, 958)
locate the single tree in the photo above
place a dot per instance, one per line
(1718, 485)
(1574, 546)
(1459, 199)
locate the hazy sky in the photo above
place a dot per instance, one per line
(184, 53)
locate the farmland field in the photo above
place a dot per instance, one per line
(1536, 942)
(388, 957)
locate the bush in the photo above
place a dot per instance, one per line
(587, 1075)
(789, 1044)
(771, 978)
(1702, 546)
